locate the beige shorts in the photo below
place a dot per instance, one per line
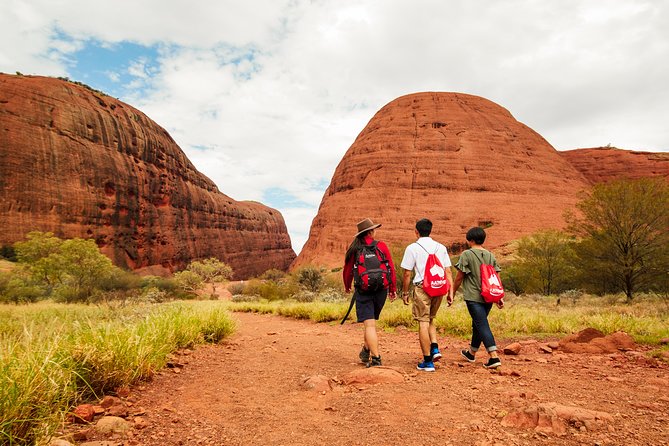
(424, 307)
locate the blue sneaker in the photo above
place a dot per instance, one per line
(426, 366)
(436, 354)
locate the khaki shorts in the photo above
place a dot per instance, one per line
(424, 307)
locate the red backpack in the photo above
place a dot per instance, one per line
(371, 269)
(492, 290)
(434, 278)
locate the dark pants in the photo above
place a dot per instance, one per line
(480, 328)
(369, 305)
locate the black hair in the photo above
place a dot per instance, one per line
(476, 235)
(424, 227)
(356, 244)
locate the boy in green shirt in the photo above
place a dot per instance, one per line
(469, 276)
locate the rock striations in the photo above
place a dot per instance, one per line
(604, 164)
(82, 164)
(457, 159)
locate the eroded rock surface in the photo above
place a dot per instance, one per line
(602, 164)
(82, 164)
(457, 159)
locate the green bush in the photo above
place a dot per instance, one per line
(310, 278)
(236, 288)
(273, 274)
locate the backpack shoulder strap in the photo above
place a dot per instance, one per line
(422, 247)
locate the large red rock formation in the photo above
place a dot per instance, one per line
(82, 164)
(602, 164)
(457, 159)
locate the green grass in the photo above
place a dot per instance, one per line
(646, 320)
(53, 356)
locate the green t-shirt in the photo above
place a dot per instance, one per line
(470, 264)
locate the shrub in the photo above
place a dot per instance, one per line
(305, 296)
(332, 295)
(8, 253)
(310, 278)
(245, 298)
(236, 288)
(273, 274)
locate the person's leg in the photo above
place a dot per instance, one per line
(481, 327)
(475, 343)
(364, 309)
(424, 337)
(378, 300)
(371, 338)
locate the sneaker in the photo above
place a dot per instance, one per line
(375, 362)
(436, 354)
(364, 355)
(467, 355)
(492, 363)
(426, 366)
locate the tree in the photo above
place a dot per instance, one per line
(188, 281)
(73, 268)
(83, 264)
(625, 230)
(211, 271)
(544, 262)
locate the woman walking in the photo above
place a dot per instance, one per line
(369, 265)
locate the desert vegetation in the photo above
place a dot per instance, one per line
(53, 356)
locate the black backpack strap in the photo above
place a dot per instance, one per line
(350, 307)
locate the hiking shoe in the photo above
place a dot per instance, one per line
(467, 355)
(492, 363)
(426, 366)
(375, 362)
(364, 355)
(436, 354)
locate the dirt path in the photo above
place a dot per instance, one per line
(249, 391)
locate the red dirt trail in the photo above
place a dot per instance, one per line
(249, 390)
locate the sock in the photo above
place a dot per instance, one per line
(434, 345)
(427, 358)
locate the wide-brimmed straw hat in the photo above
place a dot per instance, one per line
(366, 225)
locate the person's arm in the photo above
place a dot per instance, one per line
(458, 281)
(347, 273)
(451, 292)
(406, 278)
(392, 286)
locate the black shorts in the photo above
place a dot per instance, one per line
(369, 305)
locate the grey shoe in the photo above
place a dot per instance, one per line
(364, 355)
(376, 361)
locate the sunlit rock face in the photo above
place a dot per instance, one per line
(82, 164)
(457, 159)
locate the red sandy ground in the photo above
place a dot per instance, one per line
(249, 390)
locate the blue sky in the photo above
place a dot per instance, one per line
(265, 97)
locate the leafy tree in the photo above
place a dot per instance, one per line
(188, 281)
(75, 266)
(624, 225)
(544, 262)
(83, 264)
(211, 271)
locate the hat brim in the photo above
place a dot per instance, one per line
(369, 229)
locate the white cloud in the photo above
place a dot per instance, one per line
(271, 94)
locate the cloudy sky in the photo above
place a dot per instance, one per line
(265, 96)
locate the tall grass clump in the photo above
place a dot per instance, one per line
(53, 356)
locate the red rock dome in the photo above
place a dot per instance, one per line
(602, 164)
(82, 164)
(457, 159)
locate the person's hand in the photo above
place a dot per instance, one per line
(392, 296)
(500, 304)
(449, 299)
(405, 298)
(348, 290)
